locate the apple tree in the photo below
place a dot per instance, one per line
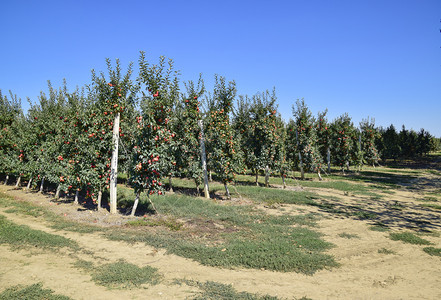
(156, 142)
(223, 152)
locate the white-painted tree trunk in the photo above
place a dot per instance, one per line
(283, 180)
(29, 183)
(204, 161)
(114, 164)
(18, 181)
(135, 205)
(227, 191)
(302, 172)
(267, 176)
(100, 196)
(76, 197)
(170, 184)
(7, 178)
(42, 185)
(57, 193)
(329, 160)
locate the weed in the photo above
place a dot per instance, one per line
(379, 227)
(251, 238)
(169, 223)
(214, 291)
(396, 206)
(364, 215)
(84, 265)
(386, 251)
(408, 237)
(20, 235)
(348, 235)
(56, 221)
(34, 291)
(272, 196)
(428, 199)
(124, 275)
(430, 205)
(432, 251)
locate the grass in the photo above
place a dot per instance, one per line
(170, 223)
(432, 251)
(120, 274)
(408, 237)
(428, 199)
(34, 291)
(217, 291)
(19, 236)
(430, 205)
(386, 251)
(348, 235)
(279, 196)
(57, 222)
(378, 226)
(236, 236)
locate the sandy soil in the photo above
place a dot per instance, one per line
(365, 273)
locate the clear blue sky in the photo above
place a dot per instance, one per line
(376, 58)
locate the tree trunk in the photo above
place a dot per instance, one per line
(42, 185)
(57, 193)
(197, 188)
(18, 181)
(100, 196)
(77, 192)
(153, 205)
(114, 164)
(29, 183)
(302, 172)
(283, 180)
(227, 191)
(7, 178)
(204, 161)
(170, 184)
(209, 176)
(329, 160)
(319, 176)
(257, 177)
(267, 176)
(135, 205)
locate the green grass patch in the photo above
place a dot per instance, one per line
(271, 196)
(57, 222)
(429, 199)
(430, 205)
(19, 236)
(432, 251)
(379, 227)
(346, 235)
(386, 251)
(408, 237)
(235, 236)
(170, 223)
(120, 274)
(34, 291)
(217, 291)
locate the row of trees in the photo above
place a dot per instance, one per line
(151, 129)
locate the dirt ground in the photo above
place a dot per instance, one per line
(406, 272)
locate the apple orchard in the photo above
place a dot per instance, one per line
(153, 129)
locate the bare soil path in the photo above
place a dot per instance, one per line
(404, 272)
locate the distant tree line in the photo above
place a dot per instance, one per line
(406, 143)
